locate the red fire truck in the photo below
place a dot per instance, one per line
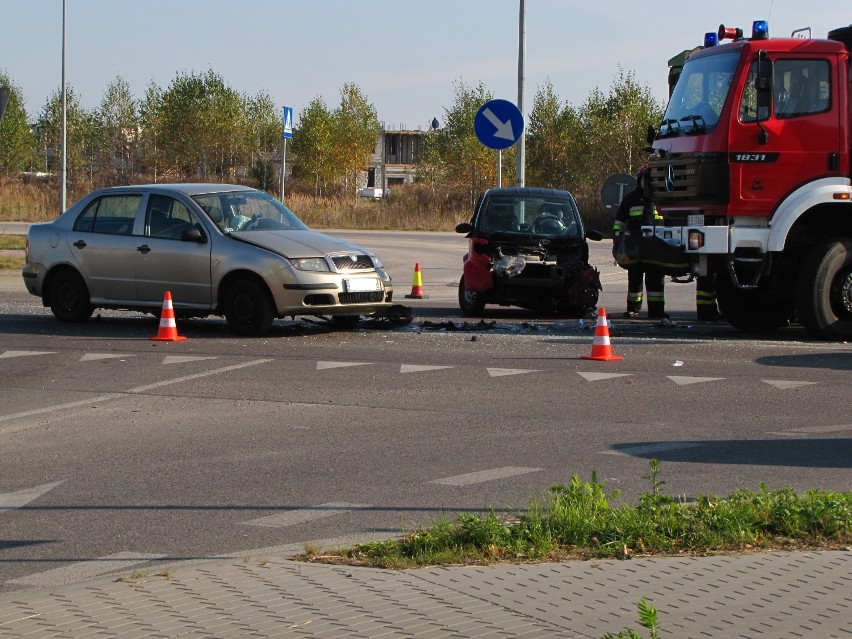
(751, 172)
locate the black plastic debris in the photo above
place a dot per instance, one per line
(482, 325)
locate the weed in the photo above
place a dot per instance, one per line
(647, 618)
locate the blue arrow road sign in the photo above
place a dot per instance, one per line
(498, 124)
(287, 131)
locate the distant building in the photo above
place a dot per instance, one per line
(393, 160)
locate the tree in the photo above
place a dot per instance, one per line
(313, 144)
(262, 139)
(118, 129)
(17, 141)
(150, 130)
(356, 128)
(79, 134)
(551, 141)
(454, 152)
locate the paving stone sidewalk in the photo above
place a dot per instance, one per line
(767, 595)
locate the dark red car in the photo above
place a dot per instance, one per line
(528, 248)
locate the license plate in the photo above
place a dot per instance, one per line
(695, 220)
(362, 285)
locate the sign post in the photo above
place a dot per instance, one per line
(498, 124)
(286, 133)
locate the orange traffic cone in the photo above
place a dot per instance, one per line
(417, 284)
(601, 350)
(168, 327)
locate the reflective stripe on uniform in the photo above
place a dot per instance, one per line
(634, 297)
(656, 296)
(705, 297)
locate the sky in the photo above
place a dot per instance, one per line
(406, 56)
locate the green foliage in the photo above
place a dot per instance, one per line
(647, 619)
(80, 133)
(313, 145)
(579, 518)
(17, 142)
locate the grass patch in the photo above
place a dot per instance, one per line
(578, 520)
(10, 262)
(13, 242)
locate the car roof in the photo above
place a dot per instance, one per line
(528, 191)
(189, 189)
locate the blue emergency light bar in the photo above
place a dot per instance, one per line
(711, 39)
(759, 30)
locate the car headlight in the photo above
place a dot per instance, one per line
(310, 264)
(377, 261)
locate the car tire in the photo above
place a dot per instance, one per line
(345, 321)
(69, 298)
(248, 308)
(472, 303)
(824, 291)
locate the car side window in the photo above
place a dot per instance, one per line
(167, 218)
(112, 214)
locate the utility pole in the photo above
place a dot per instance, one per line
(520, 157)
(64, 191)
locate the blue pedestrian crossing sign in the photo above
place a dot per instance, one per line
(498, 124)
(288, 123)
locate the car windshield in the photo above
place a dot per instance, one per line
(699, 94)
(248, 211)
(531, 216)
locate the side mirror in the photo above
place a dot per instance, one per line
(193, 235)
(464, 227)
(763, 86)
(650, 134)
(595, 236)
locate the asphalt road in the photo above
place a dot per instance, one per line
(119, 451)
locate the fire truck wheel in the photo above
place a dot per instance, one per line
(824, 294)
(471, 302)
(751, 310)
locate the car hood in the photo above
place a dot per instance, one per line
(296, 244)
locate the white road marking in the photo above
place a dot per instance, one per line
(20, 498)
(85, 569)
(814, 430)
(501, 372)
(683, 381)
(784, 384)
(412, 368)
(304, 515)
(326, 365)
(111, 396)
(594, 377)
(183, 359)
(7, 354)
(485, 475)
(650, 448)
(91, 357)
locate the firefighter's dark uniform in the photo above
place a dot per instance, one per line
(632, 214)
(705, 298)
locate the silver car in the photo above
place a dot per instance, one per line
(218, 249)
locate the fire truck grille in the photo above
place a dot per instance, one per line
(690, 178)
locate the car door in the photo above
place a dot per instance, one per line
(103, 244)
(165, 262)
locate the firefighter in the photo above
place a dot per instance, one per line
(705, 298)
(636, 210)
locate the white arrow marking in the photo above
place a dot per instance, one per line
(182, 359)
(411, 368)
(784, 385)
(85, 569)
(500, 372)
(20, 498)
(302, 515)
(326, 365)
(594, 377)
(485, 475)
(24, 353)
(683, 381)
(91, 357)
(504, 129)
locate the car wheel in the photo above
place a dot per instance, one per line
(248, 308)
(345, 321)
(824, 292)
(471, 302)
(69, 297)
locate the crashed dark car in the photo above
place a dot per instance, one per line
(528, 248)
